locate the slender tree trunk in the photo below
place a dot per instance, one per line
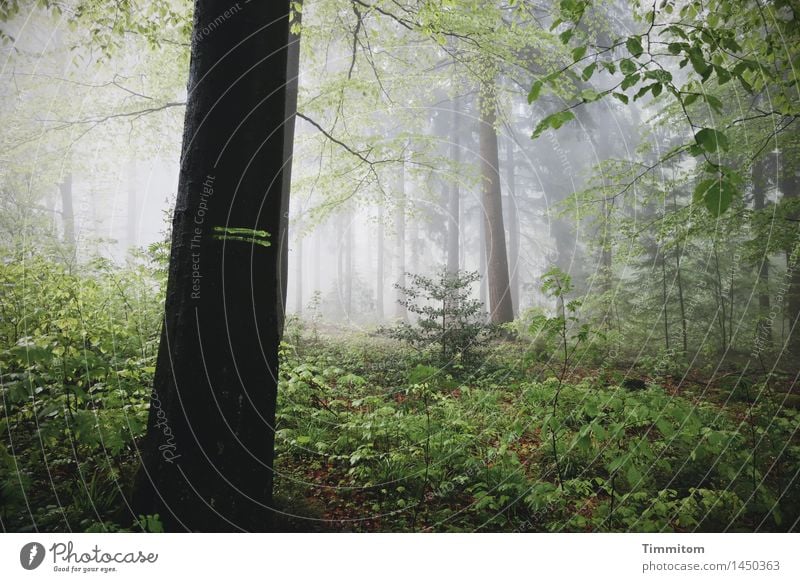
(500, 307)
(133, 188)
(679, 281)
(318, 258)
(298, 273)
(482, 259)
(341, 290)
(348, 263)
(664, 297)
(400, 241)
(763, 330)
(513, 224)
(68, 215)
(454, 195)
(207, 457)
(379, 274)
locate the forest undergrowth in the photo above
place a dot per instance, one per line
(376, 434)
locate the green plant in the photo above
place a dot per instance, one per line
(447, 315)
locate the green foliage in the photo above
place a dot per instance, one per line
(429, 454)
(76, 365)
(448, 316)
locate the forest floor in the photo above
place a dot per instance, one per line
(373, 435)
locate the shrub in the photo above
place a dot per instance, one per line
(448, 317)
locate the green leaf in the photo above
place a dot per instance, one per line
(714, 102)
(578, 53)
(588, 72)
(629, 81)
(627, 66)
(589, 95)
(634, 46)
(657, 87)
(556, 120)
(675, 48)
(690, 98)
(659, 75)
(699, 63)
(633, 475)
(723, 76)
(535, 91)
(711, 140)
(622, 97)
(716, 194)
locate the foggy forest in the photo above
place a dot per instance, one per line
(399, 266)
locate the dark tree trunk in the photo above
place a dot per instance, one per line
(207, 457)
(454, 195)
(500, 308)
(68, 215)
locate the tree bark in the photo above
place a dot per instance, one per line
(762, 266)
(207, 456)
(500, 307)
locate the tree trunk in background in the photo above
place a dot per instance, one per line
(400, 241)
(340, 258)
(68, 215)
(500, 307)
(298, 273)
(763, 330)
(379, 274)
(348, 262)
(133, 186)
(414, 246)
(513, 225)
(605, 266)
(454, 195)
(207, 457)
(681, 302)
(318, 258)
(482, 259)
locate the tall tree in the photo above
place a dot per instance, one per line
(500, 307)
(207, 457)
